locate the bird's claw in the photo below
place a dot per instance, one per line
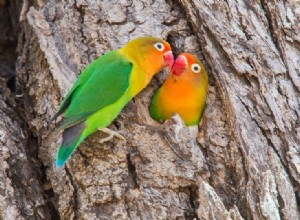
(111, 134)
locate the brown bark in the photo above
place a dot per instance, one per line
(242, 163)
(22, 194)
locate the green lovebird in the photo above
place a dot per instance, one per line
(105, 86)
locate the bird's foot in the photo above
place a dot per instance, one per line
(111, 134)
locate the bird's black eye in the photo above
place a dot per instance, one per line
(159, 46)
(196, 68)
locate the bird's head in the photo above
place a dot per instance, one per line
(188, 66)
(153, 53)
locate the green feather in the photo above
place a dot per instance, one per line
(154, 109)
(97, 97)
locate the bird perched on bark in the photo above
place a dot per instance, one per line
(183, 92)
(105, 86)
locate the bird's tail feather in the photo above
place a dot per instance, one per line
(72, 137)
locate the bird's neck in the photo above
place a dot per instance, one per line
(142, 62)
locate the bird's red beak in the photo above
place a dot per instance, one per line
(179, 65)
(168, 59)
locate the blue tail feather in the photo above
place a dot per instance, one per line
(71, 139)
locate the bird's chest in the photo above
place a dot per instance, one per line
(182, 98)
(138, 81)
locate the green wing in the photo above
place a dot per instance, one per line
(102, 83)
(153, 109)
(83, 77)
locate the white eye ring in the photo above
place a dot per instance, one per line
(159, 46)
(196, 68)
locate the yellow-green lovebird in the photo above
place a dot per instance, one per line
(105, 86)
(183, 92)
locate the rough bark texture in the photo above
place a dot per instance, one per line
(242, 163)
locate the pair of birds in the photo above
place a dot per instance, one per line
(107, 84)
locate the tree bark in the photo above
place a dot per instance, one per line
(241, 163)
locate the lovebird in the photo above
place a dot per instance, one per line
(183, 92)
(104, 87)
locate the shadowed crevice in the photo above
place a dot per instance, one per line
(193, 196)
(132, 175)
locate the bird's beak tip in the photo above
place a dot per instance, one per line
(179, 66)
(168, 59)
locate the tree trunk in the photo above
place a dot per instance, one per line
(242, 163)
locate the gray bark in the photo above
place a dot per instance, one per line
(242, 163)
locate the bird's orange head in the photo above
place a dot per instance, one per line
(150, 52)
(188, 66)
